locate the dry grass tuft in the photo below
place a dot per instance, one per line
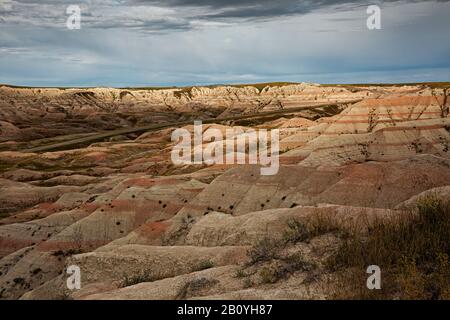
(412, 251)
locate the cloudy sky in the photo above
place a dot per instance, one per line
(191, 42)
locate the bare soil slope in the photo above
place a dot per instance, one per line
(141, 228)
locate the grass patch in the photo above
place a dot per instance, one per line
(203, 265)
(298, 231)
(144, 276)
(412, 251)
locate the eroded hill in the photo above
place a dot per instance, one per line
(140, 227)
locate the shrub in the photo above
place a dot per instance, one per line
(240, 274)
(268, 275)
(247, 283)
(296, 232)
(412, 251)
(265, 250)
(296, 262)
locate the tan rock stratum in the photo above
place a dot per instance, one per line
(140, 227)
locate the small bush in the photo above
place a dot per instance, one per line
(268, 275)
(247, 283)
(265, 250)
(296, 262)
(240, 274)
(296, 232)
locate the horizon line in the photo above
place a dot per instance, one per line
(255, 84)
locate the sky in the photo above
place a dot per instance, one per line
(135, 43)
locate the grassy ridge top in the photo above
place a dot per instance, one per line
(428, 84)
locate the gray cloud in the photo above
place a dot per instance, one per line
(176, 42)
(253, 9)
(164, 16)
(263, 9)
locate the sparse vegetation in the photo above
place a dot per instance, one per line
(296, 232)
(203, 265)
(303, 232)
(268, 275)
(364, 85)
(240, 274)
(265, 250)
(194, 286)
(248, 283)
(143, 276)
(270, 255)
(67, 253)
(120, 173)
(285, 267)
(412, 251)
(182, 231)
(4, 215)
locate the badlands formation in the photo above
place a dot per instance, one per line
(140, 227)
